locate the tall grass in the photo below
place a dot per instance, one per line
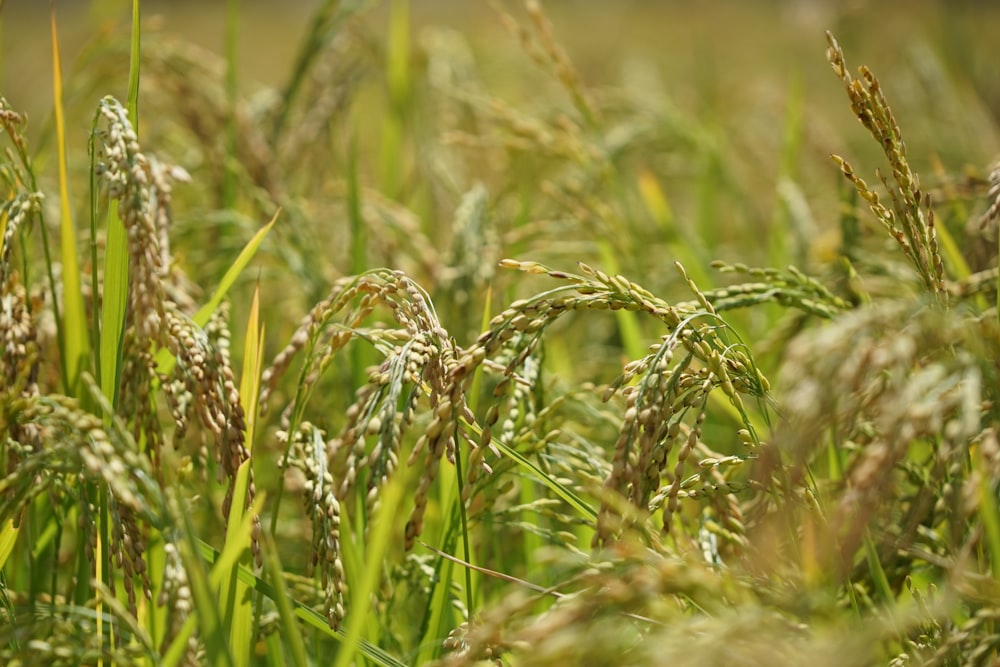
(491, 399)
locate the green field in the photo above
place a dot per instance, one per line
(574, 333)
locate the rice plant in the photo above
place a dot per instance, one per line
(479, 395)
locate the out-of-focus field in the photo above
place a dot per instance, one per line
(721, 55)
(731, 65)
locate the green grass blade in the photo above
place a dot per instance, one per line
(204, 588)
(238, 610)
(439, 615)
(234, 595)
(156, 615)
(290, 631)
(682, 246)
(309, 615)
(560, 490)
(115, 296)
(234, 271)
(164, 361)
(882, 587)
(989, 514)
(132, 102)
(359, 241)
(464, 532)
(8, 536)
(116, 260)
(380, 528)
(74, 320)
(253, 361)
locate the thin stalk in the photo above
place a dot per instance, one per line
(463, 518)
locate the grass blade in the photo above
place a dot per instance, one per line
(74, 321)
(560, 490)
(163, 360)
(236, 594)
(8, 536)
(253, 360)
(233, 594)
(989, 514)
(115, 296)
(380, 529)
(234, 271)
(290, 631)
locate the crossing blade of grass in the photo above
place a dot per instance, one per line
(132, 101)
(164, 361)
(234, 595)
(439, 615)
(74, 321)
(204, 587)
(290, 631)
(380, 528)
(883, 588)
(567, 494)
(238, 610)
(205, 312)
(307, 614)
